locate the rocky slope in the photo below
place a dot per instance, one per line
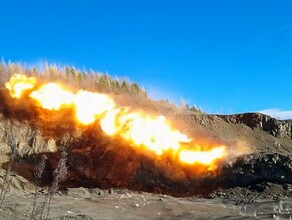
(94, 160)
(277, 128)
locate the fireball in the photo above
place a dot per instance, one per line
(51, 96)
(19, 83)
(140, 130)
(89, 106)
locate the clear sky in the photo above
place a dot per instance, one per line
(225, 56)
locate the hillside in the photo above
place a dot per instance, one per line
(32, 134)
(258, 165)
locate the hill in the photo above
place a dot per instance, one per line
(50, 150)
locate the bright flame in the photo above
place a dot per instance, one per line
(91, 105)
(108, 123)
(152, 132)
(140, 130)
(51, 96)
(205, 157)
(19, 83)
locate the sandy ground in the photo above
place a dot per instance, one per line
(80, 203)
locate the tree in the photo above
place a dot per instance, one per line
(53, 71)
(135, 90)
(60, 175)
(183, 104)
(194, 109)
(125, 87)
(38, 175)
(116, 87)
(105, 83)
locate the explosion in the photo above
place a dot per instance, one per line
(142, 131)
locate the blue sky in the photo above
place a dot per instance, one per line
(225, 56)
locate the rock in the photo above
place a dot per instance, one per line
(277, 128)
(258, 168)
(22, 138)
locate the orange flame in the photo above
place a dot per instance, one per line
(141, 130)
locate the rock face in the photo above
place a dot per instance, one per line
(136, 172)
(249, 170)
(23, 138)
(104, 166)
(26, 130)
(277, 128)
(95, 160)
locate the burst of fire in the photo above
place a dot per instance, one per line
(19, 83)
(141, 130)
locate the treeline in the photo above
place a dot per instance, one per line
(94, 81)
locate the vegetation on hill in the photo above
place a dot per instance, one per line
(96, 82)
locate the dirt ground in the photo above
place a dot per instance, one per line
(85, 204)
(123, 204)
